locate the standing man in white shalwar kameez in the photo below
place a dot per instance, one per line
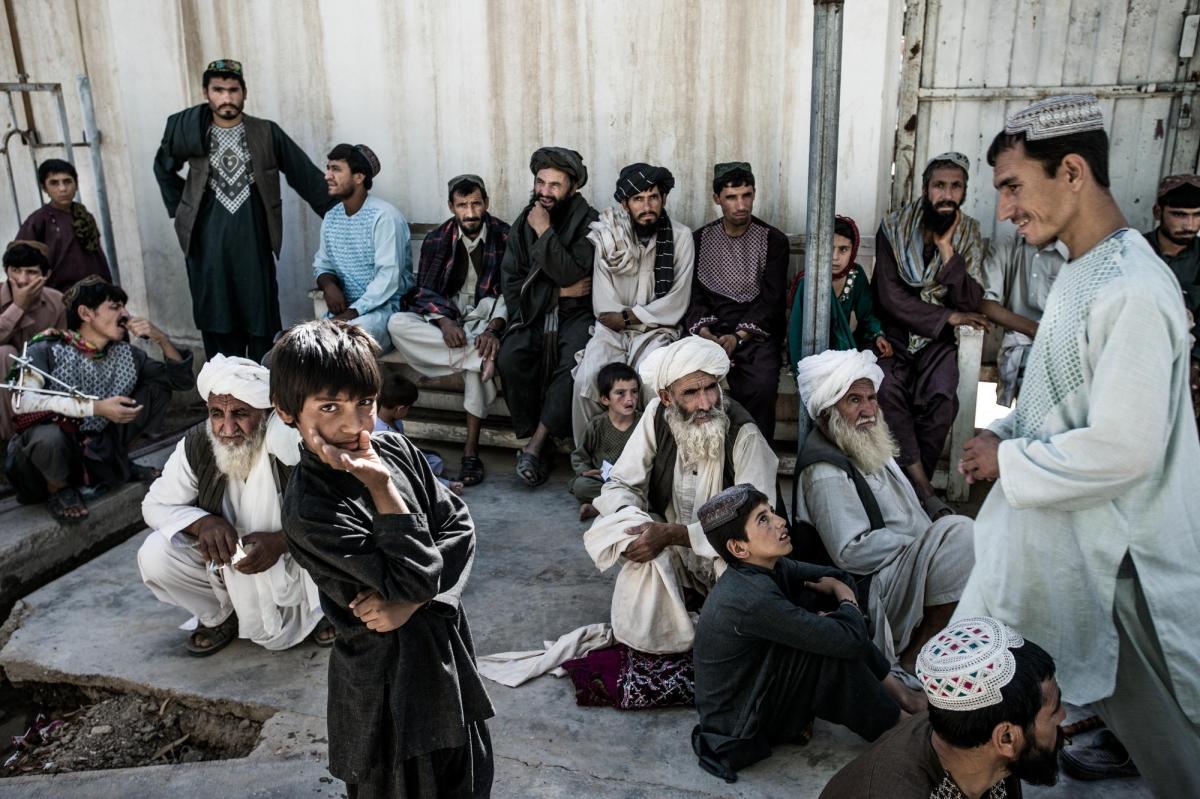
(866, 511)
(641, 283)
(217, 549)
(1090, 540)
(690, 444)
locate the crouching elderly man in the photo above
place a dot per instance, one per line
(690, 444)
(867, 513)
(218, 549)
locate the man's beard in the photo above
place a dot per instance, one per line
(1038, 765)
(868, 448)
(341, 194)
(471, 225)
(227, 110)
(936, 220)
(557, 209)
(698, 441)
(1182, 240)
(647, 229)
(236, 461)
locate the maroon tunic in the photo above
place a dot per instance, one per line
(70, 260)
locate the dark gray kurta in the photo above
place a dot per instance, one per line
(415, 691)
(767, 664)
(1185, 265)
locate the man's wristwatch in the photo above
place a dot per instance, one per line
(625, 317)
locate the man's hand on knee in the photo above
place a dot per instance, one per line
(653, 538)
(335, 300)
(215, 538)
(452, 333)
(263, 550)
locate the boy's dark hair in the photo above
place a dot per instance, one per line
(325, 358)
(465, 188)
(209, 74)
(735, 528)
(91, 292)
(22, 255)
(397, 390)
(1021, 700)
(354, 159)
(732, 180)
(610, 373)
(1090, 145)
(53, 166)
(843, 228)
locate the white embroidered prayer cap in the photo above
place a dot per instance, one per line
(965, 665)
(1057, 116)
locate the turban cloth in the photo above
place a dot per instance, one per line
(667, 364)
(637, 178)
(825, 378)
(241, 378)
(562, 159)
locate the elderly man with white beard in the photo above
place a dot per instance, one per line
(217, 549)
(690, 444)
(866, 512)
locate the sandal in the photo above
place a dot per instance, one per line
(61, 502)
(471, 471)
(1104, 759)
(530, 469)
(324, 634)
(218, 637)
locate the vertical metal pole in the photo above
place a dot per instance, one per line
(92, 136)
(64, 124)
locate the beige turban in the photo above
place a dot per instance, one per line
(825, 378)
(240, 377)
(692, 354)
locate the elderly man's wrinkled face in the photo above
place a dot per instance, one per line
(859, 407)
(551, 187)
(234, 423)
(695, 396)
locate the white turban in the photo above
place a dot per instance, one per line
(240, 377)
(667, 364)
(825, 378)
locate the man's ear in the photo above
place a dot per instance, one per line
(739, 549)
(1008, 740)
(1076, 167)
(1157, 211)
(86, 314)
(665, 396)
(285, 417)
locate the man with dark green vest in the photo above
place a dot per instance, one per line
(217, 548)
(229, 212)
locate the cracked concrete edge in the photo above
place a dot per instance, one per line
(15, 616)
(288, 734)
(535, 780)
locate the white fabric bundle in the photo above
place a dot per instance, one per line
(823, 379)
(612, 234)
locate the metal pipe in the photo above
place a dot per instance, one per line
(64, 124)
(1039, 92)
(91, 135)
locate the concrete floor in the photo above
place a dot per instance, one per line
(532, 580)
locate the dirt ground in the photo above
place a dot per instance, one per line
(125, 731)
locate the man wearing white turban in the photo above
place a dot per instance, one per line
(217, 548)
(866, 513)
(689, 445)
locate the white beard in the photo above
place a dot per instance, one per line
(698, 441)
(868, 449)
(236, 461)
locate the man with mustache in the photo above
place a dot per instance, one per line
(546, 278)
(690, 443)
(453, 322)
(928, 262)
(870, 523)
(229, 212)
(641, 282)
(1177, 212)
(217, 548)
(364, 263)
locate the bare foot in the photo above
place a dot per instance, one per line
(587, 511)
(455, 487)
(909, 700)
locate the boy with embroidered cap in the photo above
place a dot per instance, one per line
(779, 643)
(994, 711)
(1092, 532)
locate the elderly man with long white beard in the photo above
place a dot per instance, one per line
(690, 444)
(217, 549)
(867, 513)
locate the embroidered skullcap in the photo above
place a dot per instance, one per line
(951, 157)
(965, 665)
(37, 245)
(723, 169)
(637, 178)
(369, 156)
(1057, 116)
(823, 379)
(667, 364)
(225, 65)
(724, 507)
(241, 378)
(560, 158)
(455, 181)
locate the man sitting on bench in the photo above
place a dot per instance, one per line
(866, 512)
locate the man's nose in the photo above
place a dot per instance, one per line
(868, 409)
(1004, 209)
(229, 427)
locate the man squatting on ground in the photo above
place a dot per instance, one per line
(641, 283)
(866, 512)
(364, 262)
(779, 643)
(217, 548)
(453, 322)
(63, 443)
(547, 284)
(390, 549)
(229, 212)
(690, 443)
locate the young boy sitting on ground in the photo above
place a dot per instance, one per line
(396, 399)
(606, 434)
(779, 643)
(390, 550)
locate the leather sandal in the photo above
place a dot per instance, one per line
(471, 470)
(1106, 758)
(218, 637)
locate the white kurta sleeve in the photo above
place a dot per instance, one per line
(668, 310)
(1131, 343)
(754, 461)
(167, 506)
(605, 297)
